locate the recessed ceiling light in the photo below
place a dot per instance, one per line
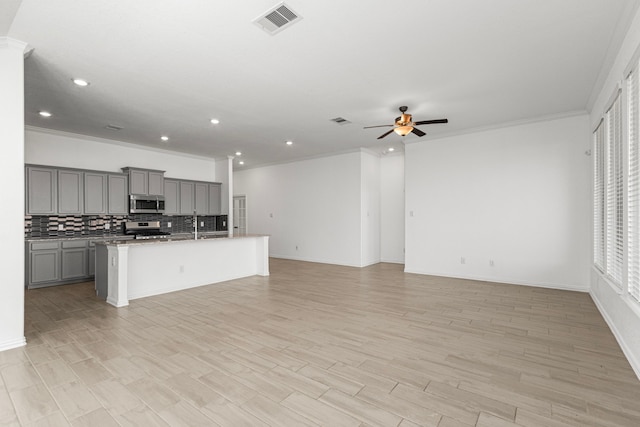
(164, 138)
(215, 121)
(289, 142)
(81, 82)
(238, 153)
(241, 162)
(44, 113)
(391, 150)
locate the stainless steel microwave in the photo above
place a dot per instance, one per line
(146, 204)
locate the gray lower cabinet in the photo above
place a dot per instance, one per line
(57, 262)
(92, 259)
(42, 191)
(43, 263)
(74, 257)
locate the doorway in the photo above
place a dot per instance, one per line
(239, 214)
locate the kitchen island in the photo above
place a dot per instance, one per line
(130, 269)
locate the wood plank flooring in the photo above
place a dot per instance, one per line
(321, 345)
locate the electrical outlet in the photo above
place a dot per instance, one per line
(462, 260)
(169, 224)
(107, 226)
(296, 247)
(60, 227)
(491, 263)
(270, 215)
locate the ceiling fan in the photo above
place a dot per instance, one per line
(404, 124)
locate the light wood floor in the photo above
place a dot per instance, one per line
(319, 345)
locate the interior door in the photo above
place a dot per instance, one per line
(239, 215)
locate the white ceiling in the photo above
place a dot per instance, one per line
(166, 67)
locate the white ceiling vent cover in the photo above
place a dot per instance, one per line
(277, 19)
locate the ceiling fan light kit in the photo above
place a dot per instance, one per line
(403, 130)
(404, 125)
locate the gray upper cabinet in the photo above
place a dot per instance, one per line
(70, 192)
(42, 191)
(95, 193)
(215, 199)
(187, 204)
(201, 190)
(171, 197)
(156, 183)
(138, 182)
(145, 182)
(117, 194)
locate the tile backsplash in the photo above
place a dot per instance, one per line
(55, 226)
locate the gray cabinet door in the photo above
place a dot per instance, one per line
(44, 266)
(95, 193)
(92, 261)
(70, 194)
(138, 182)
(74, 263)
(117, 195)
(215, 199)
(156, 183)
(171, 197)
(42, 189)
(201, 191)
(186, 198)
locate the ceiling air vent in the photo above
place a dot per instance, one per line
(113, 127)
(277, 19)
(341, 121)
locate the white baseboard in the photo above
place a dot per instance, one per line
(506, 281)
(8, 345)
(629, 354)
(318, 260)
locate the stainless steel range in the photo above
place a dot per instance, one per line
(145, 230)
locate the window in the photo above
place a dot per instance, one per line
(598, 198)
(614, 195)
(633, 186)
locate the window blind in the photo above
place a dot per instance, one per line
(633, 186)
(599, 216)
(614, 195)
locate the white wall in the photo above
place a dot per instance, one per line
(47, 147)
(392, 208)
(517, 195)
(621, 312)
(313, 205)
(12, 174)
(370, 208)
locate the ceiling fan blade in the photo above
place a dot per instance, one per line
(379, 126)
(385, 134)
(430, 122)
(418, 132)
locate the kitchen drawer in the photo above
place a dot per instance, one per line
(70, 244)
(44, 246)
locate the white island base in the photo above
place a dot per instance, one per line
(127, 270)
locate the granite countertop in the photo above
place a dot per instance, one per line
(177, 238)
